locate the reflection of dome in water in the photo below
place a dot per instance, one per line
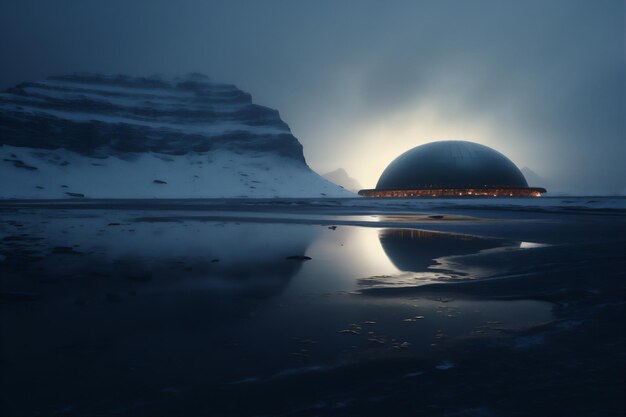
(452, 168)
(415, 250)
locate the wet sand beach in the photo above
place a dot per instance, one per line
(345, 307)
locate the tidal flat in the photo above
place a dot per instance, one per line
(338, 307)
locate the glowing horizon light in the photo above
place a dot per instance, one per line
(455, 192)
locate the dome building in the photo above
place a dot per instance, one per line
(452, 168)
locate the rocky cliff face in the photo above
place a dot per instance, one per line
(119, 136)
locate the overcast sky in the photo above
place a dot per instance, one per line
(360, 82)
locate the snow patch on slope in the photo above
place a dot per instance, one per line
(36, 173)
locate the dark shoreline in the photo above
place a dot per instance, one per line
(573, 365)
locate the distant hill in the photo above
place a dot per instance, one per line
(533, 179)
(341, 177)
(536, 180)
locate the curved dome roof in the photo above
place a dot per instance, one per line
(451, 164)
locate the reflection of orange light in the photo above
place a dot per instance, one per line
(455, 192)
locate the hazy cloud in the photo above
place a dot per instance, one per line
(360, 82)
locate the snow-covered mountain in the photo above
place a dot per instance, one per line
(127, 137)
(341, 177)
